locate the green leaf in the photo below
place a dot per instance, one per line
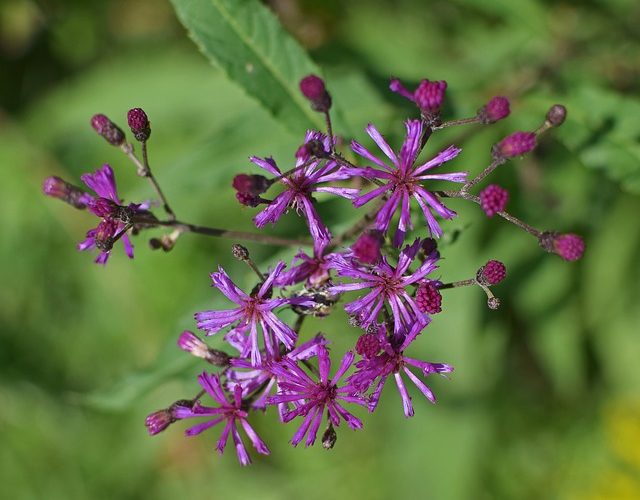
(248, 43)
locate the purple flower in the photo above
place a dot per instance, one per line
(103, 183)
(260, 380)
(232, 412)
(403, 180)
(428, 96)
(388, 285)
(314, 269)
(310, 397)
(393, 361)
(300, 186)
(254, 310)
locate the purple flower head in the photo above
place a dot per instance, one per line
(253, 311)
(312, 269)
(428, 297)
(392, 361)
(260, 380)
(493, 199)
(103, 183)
(300, 186)
(428, 96)
(367, 247)
(230, 411)
(387, 285)
(403, 180)
(139, 124)
(492, 273)
(515, 144)
(311, 397)
(496, 109)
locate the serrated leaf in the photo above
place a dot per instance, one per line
(248, 43)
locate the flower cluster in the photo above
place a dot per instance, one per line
(382, 268)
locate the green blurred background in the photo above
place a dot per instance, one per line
(544, 400)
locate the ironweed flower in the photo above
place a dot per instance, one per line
(255, 310)
(392, 361)
(230, 411)
(300, 186)
(428, 96)
(310, 397)
(403, 180)
(388, 285)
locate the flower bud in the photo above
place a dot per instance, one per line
(493, 303)
(161, 419)
(515, 144)
(368, 345)
(367, 247)
(191, 343)
(556, 115)
(58, 188)
(428, 298)
(429, 96)
(568, 246)
(493, 199)
(139, 124)
(248, 199)
(496, 109)
(492, 273)
(240, 252)
(107, 129)
(329, 437)
(251, 184)
(103, 237)
(313, 88)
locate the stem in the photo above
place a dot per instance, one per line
(223, 233)
(198, 396)
(327, 118)
(495, 163)
(338, 158)
(461, 121)
(505, 215)
(457, 284)
(299, 321)
(145, 171)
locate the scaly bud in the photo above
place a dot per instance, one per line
(107, 129)
(515, 144)
(139, 124)
(313, 88)
(493, 199)
(492, 273)
(496, 109)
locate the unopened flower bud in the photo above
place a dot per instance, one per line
(428, 298)
(496, 109)
(313, 88)
(161, 419)
(368, 345)
(493, 199)
(329, 437)
(107, 129)
(492, 273)
(429, 96)
(568, 246)
(103, 207)
(515, 144)
(248, 200)
(139, 124)
(240, 252)
(367, 247)
(556, 115)
(58, 188)
(493, 303)
(251, 184)
(191, 343)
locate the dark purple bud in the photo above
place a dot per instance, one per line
(248, 200)
(191, 343)
(367, 247)
(139, 124)
(368, 345)
(159, 421)
(105, 232)
(430, 247)
(492, 273)
(107, 129)
(313, 88)
(496, 109)
(556, 115)
(515, 144)
(493, 199)
(251, 184)
(429, 96)
(428, 298)
(103, 207)
(568, 246)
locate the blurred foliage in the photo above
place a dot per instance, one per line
(544, 400)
